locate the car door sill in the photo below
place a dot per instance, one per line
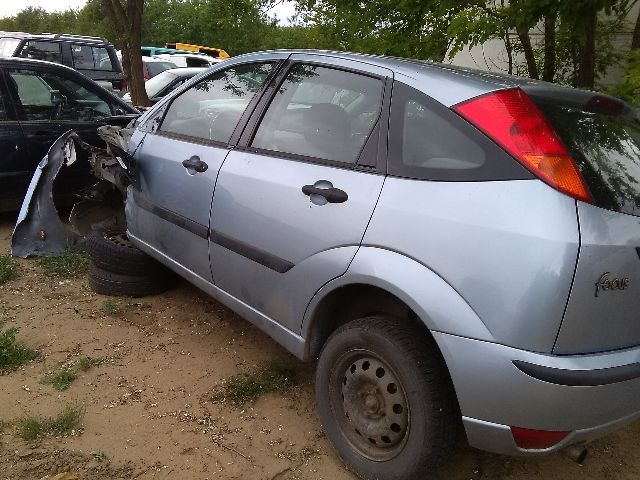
(288, 339)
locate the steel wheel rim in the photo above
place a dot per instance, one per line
(370, 405)
(118, 238)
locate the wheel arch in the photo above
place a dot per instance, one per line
(381, 281)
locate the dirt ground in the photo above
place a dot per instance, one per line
(147, 404)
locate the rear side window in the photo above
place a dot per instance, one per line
(86, 57)
(322, 113)
(211, 108)
(39, 50)
(428, 141)
(604, 139)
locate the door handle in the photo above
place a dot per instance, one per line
(194, 163)
(332, 195)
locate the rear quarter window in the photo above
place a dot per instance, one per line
(430, 142)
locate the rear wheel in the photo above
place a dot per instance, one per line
(385, 399)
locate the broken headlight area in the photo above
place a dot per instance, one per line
(39, 230)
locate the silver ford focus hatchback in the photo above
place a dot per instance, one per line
(453, 247)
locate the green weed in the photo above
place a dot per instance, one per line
(8, 269)
(31, 427)
(110, 306)
(275, 376)
(99, 455)
(70, 263)
(62, 378)
(13, 353)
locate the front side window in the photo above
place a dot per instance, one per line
(211, 108)
(50, 97)
(322, 113)
(39, 50)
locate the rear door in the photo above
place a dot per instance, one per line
(293, 201)
(178, 163)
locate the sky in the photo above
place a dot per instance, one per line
(10, 7)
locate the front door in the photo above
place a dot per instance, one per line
(178, 164)
(291, 207)
(47, 104)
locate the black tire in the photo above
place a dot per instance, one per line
(113, 251)
(117, 284)
(385, 399)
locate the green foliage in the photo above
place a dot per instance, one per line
(66, 373)
(31, 427)
(629, 89)
(70, 263)
(87, 21)
(408, 28)
(275, 376)
(8, 269)
(237, 26)
(12, 352)
(110, 306)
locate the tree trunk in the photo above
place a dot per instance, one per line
(525, 41)
(126, 21)
(549, 67)
(635, 40)
(586, 74)
(509, 48)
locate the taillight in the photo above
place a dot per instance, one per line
(529, 439)
(513, 121)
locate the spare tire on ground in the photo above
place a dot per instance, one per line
(112, 250)
(117, 284)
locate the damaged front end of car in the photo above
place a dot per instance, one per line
(39, 229)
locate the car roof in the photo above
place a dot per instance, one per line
(155, 60)
(29, 62)
(448, 84)
(186, 71)
(56, 37)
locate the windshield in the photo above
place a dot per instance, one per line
(604, 139)
(8, 46)
(155, 85)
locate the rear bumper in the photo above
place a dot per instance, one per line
(589, 395)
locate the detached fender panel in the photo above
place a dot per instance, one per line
(434, 301)
(38, 230)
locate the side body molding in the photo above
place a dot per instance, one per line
(433, 300)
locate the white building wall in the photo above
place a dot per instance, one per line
(492, 55)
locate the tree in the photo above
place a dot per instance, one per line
(577, 44)
(408, 28)
(126, 22)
